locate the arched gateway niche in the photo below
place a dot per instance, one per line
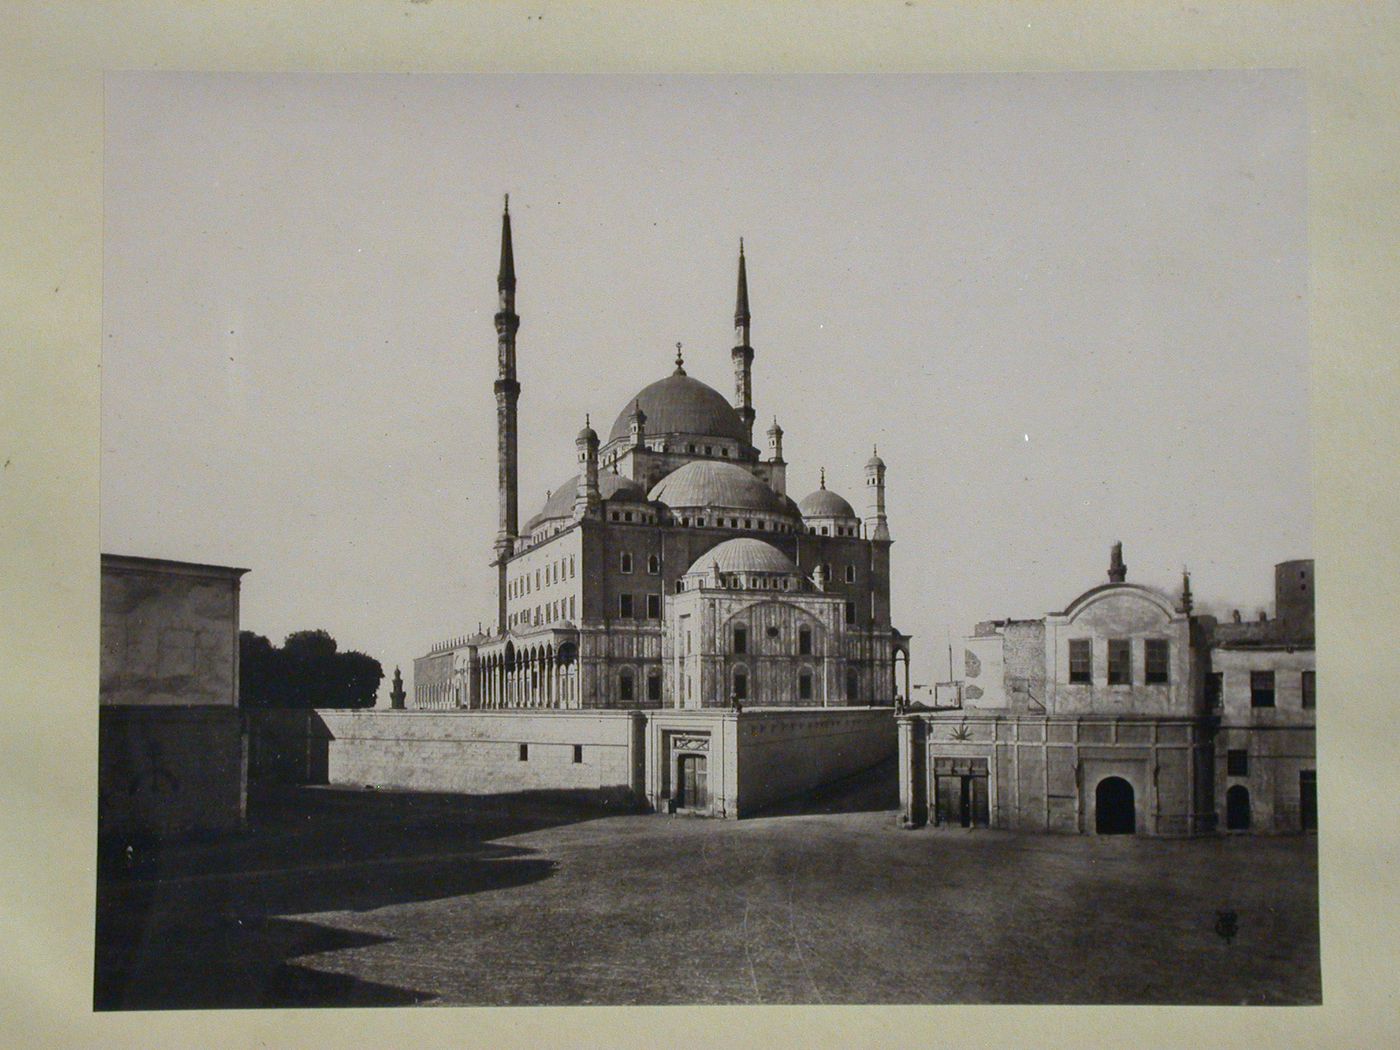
(1114, 809)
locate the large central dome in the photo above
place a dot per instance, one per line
(679, 404)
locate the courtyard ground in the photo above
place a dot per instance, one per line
(347, 897)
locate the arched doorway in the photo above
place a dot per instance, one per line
(1237, 808)
(1114, 811)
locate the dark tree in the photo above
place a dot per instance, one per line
(308, 671)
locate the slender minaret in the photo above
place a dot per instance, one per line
(1187, 602)
(507, 395)
(587, 498)
(743, 352)
(637, 425)
(777, 476)
(876, 526)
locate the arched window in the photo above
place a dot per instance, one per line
(654, 564)
(804, 685)
(804, 641)
(654, 685)
(626, 561)
(850, 574)
(626, 685)
(741, 684)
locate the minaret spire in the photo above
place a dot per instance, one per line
(742, 354)
(507, 396)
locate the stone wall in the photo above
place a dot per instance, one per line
(597, 754)
(758, 757)
(165, 771)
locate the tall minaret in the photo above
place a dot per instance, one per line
(507, 394)
(587, 498)
(777, 476)
(743, 352)
(876, 526)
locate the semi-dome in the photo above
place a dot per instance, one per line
(744, 554)
(561, 500)
(679, 404)
(707, 483)
(825, 504)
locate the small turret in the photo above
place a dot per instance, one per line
(1186, 600)
(876, 525)
(588, 500)
(637, 425)
(1117, 571)
(777, 475)
(397, 695)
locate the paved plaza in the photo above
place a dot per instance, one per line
(345, 897)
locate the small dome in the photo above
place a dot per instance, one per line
(874, 461)
(745, 554)
(679, 404)
(561, 501)
(715, 483)
(825, 504)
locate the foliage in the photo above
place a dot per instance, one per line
(307, 671)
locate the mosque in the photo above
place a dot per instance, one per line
(674, 570)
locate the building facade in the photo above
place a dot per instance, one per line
(592, 588)
(171, 755)
(1124, 713)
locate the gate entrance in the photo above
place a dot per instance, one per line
(1237, 808)
(960, 793)
(691, 784)
(1114, 810)
(1307, 799)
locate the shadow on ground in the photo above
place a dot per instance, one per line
(217, 922)
(871, 791)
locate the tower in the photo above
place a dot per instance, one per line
(637, 425)
(588, 498)
(876, 526)
(777, 476)
(507, 396)
(742, 353)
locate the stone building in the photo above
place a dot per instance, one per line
(1122, 713)
(620, 555)
(1263, 690)
(170, 737)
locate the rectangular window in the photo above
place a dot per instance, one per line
(624, 606)
(1081, 660)
(571, 566)
(850, 612)
(741, 685)
(625, 687)
(850, 574)
(1215, 690)
(1309, 689)
(653, 686)
(578, 754)
(1237, 763)
(741, 639)
(1261, 689)
(804, 685)
(626, 561)
(537, 579)
(1156, 653)
(804, 641)
(653, 606)
(1120, 661)
(524, 752)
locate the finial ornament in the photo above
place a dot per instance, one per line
(507, 203)
(587, 420)
(680, 361)
(823, 475)
(741, 246)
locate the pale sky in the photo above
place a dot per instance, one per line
(1070, 308)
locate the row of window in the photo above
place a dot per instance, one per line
(740, 684)
(524, 753)
(627, 685)
(549, 612)
(1156, 661)
(740, 639)
(627, 606)
(1263, 689)
(559, 569)
(625, 563)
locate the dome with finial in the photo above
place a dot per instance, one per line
(560, 501)
(680, 404)
(874, 460)
(823, 503)
(587, 433)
